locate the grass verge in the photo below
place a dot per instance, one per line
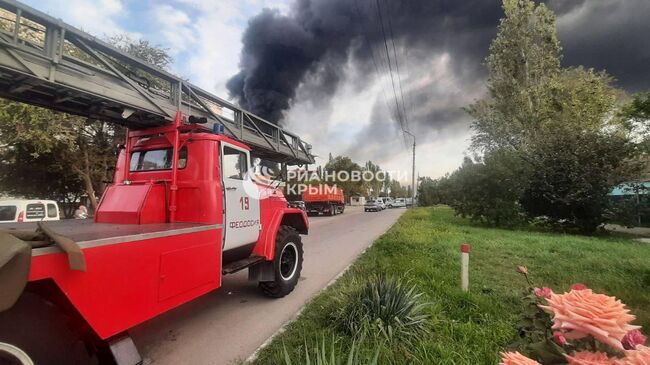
(469, 328)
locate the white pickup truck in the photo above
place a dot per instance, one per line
(22, 210)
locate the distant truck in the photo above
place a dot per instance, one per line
(324, 199)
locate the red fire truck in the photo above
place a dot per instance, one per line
(181, 212)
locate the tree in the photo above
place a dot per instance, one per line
(70, 148)
(375, 184)
(582, 153)
(524, 55)
(487, 191)
(77, 153)
(433, 192)
(576, 172)
(396, 189)
(638, 110)
(637, 116)
(341, 168)
(559, 124)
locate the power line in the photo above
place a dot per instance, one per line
(376, 65)
(390, 67)
(399, 77)
(405, 131)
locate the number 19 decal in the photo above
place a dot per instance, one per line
(245, 205)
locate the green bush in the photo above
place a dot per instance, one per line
(383, 308)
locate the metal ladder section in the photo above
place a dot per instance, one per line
(48, 63)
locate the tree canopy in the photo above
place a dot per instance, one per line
(53, 155)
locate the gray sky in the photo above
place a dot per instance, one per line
(319, 66)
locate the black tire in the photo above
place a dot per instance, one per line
(287, 244)
(37, 329)
(342, 209)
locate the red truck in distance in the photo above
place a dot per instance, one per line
(323, 199)
(180, 214)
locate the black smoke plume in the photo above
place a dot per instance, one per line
(319, 37)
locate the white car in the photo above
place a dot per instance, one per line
(380, 202)
(371, 206)
(399, 203)
(388, 201)
(22, 210)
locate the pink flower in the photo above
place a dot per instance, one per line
(515, 358)
(581, 313)
(632, 339)
(559, 338)
(578, 286)
(543, 292)
(640, 356)
(590, 358)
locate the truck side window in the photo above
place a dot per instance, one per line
(234, 163)
(7, 213)
(51, 210)
(35, 211)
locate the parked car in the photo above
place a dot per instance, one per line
(388, 201)
(372, 206)
(381, 203)
(22, 210)
(399, 203)
(297, 204)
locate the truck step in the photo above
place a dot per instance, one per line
(233, 267)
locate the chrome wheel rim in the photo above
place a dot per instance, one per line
(18, 356)
(288, 261)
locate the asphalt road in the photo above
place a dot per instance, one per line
(228, 325)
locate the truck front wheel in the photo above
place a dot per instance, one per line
(287, 263)
(35, 331)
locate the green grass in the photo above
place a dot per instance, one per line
(472, 328)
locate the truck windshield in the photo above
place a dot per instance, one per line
(160, 159)
(7, 213)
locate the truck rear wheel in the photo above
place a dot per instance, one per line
(287, 263)
(35, 331)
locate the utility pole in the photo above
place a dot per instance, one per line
(413, 171)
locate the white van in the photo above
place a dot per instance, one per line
(12, 211)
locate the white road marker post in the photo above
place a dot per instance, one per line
(464, 266)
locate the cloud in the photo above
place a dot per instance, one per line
(311, 43)
(609, 35)
(98, 17)
(177, 29)
(358, 123)
(205, 36)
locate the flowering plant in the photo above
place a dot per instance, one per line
(578, 327)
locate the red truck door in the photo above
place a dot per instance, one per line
(242, 205)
